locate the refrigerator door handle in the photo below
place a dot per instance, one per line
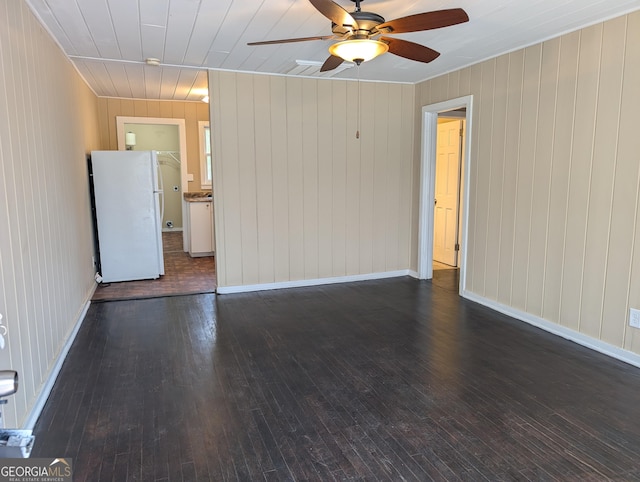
(161, 194)
(160, 191)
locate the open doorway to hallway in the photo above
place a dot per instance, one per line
(443, 191)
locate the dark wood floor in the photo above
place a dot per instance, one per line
(384, 380)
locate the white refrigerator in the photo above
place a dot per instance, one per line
(128, 204)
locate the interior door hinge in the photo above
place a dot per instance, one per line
(457, 247)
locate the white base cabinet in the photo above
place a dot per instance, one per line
(201, 239)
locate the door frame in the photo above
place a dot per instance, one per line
(427, 185)
(182, 133)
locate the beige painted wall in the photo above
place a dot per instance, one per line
(553, 226)
(191, 112)
(48, 123)
(297, 196)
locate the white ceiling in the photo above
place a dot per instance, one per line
(108, 40)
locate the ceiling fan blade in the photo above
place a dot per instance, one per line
(425, 21)
(334, 12)
(331, 63)
(290, 40)
(410, 50)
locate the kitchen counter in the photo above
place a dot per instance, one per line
(198, 196)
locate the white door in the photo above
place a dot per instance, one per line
(445, 229)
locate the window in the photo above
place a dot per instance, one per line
(205, 154)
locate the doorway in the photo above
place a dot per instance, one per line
(158, 134)
(183, 274)
(165, 140)
(460, 107)
(448, 183)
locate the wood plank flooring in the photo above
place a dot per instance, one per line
(384, 380)
(183, 275)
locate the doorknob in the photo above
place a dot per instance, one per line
(435, 201)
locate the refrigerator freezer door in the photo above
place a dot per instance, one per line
(129, 231)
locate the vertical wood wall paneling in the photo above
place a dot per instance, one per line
(326, 118)
(510, 175)
(42, 345)
(113, 109)
(47, 124)
(475, 85)
(26, 211)
(545, 131)
(264, 177)
(407, 238)
(103, 123)
(628, 188)
(615, 271)
(394, 158)
(338, 181)
(230, 129)
(43, 115)
(352, 181)
(560, 173)
(485, 176)
(602, 175)
(10, 261)
(191, 112)
(495, 203)
(568, 240)
(368, 217)
(334, 205)
(280, 181)
(152, 108)
(247, 172)
(580, 175)
(215, 94)
(380, 179)
(527, 159)
(309, 186)
(295, 173)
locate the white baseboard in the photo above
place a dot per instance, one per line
(47, 386)
(223, 290)
(559, 330)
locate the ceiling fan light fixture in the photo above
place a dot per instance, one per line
(358, 50)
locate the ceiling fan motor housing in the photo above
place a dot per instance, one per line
(367, 21)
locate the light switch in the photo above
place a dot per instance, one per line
(634, 318)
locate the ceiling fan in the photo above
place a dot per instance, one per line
(361, 34)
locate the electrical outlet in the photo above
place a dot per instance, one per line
(634, 317)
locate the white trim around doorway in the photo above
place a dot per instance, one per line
(427, 185)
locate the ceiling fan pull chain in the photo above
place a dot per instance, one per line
(358, 109)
